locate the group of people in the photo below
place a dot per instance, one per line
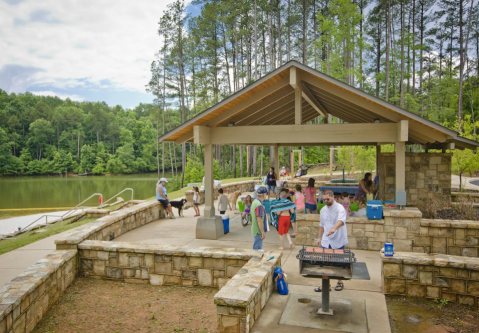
(332, 226)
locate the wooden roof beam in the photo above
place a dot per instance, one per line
(336, 134)
(250, 101)
(308, 96)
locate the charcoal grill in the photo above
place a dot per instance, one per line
(328, 266)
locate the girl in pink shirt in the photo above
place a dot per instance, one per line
(298, 199)
(310, 193)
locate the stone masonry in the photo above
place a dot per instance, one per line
(452, 278)
(244, 278)
(405, 229)
(113, 225)
(25, 300)
(428, 175)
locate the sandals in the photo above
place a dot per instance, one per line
(339, 287)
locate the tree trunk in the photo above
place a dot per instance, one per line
(305, 40)
(401, 84)
(388, 36)
(278, 20)
(289, 30)
(413, 48)
(255, 44)
(241, 160)
(234, 161)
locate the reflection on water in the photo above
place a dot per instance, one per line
(45, 192)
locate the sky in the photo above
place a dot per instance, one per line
(86, 50)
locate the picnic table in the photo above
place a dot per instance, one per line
(340, 189)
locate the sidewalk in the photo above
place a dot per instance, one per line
(465, 182)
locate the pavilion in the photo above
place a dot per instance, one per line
(274, 110)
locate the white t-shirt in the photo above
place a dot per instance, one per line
(196, 197)
(328, 217)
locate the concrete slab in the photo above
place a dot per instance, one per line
(269, 319)
(349, 315)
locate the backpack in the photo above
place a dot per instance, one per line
(281, 281)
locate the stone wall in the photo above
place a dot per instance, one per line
(25, 300)
(244, 277)
(113, 225)
(405, 229)
(467, 197)
(455, 279)
(428, 175)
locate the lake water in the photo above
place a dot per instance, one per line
(52, 192)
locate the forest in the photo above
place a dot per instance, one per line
(421, 55)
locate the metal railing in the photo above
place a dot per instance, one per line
(62, 217)
(113, 197)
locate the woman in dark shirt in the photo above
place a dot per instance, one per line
(271, 181)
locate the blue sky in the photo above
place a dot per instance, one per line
(89, 50)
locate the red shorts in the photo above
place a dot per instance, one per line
(283, 224)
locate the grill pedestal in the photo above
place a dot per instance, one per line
(329, 266)
(325, 310)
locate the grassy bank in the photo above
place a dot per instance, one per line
(35, 235)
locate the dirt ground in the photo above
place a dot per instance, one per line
(411, 315)
(90, 305)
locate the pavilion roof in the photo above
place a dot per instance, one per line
(270, 100)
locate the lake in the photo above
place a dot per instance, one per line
(52, 192)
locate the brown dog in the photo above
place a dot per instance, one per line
(232, 198)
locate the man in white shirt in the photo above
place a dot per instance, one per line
(332, 228)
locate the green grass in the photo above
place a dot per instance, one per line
(31, 236)
(181, 193)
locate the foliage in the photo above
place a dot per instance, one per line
(357, 158)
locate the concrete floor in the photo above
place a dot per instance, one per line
(181, 231)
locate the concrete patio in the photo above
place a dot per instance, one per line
(181, 231)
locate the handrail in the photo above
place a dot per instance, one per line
(62, 217)
(126, 189)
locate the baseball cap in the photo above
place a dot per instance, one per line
(163, 180)
(262, 190)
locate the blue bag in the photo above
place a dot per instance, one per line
(281, 281)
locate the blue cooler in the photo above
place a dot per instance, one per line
(226, 223)
(388, 249)
(374, 210)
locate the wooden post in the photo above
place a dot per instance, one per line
(276, 160)
(209, 210)
(400, 166)
(331, 152)
(298, 104)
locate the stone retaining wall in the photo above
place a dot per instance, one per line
(455, 279)
(406, 229)
(245, 281)
(25, 300)
(113, 225)
(472, 197)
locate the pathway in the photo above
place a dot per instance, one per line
(465, 182)
(11, 224)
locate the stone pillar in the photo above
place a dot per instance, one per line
(209, 210)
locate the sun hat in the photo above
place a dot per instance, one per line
(163, 180)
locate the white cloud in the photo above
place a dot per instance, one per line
(104, 42)
(62, 96)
